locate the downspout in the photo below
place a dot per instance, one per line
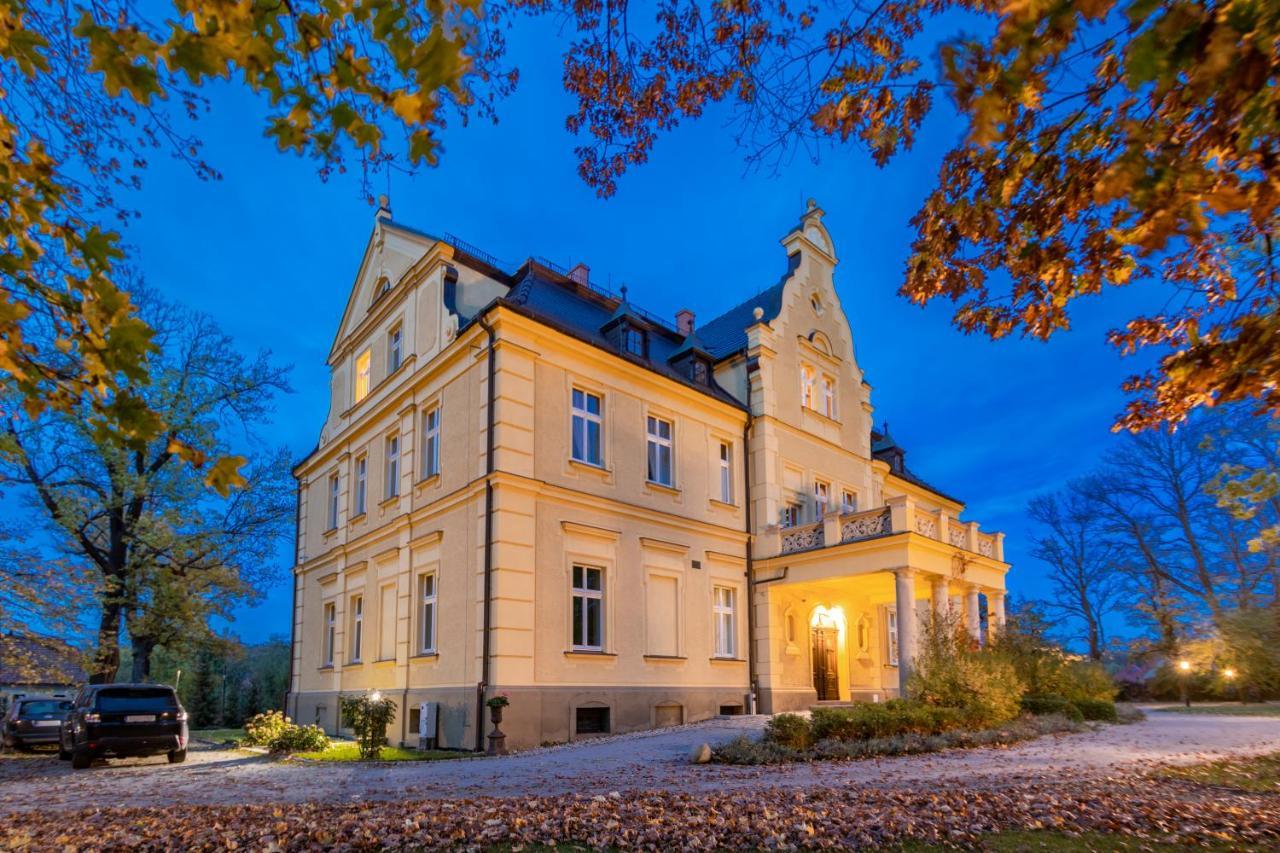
(753, 685)
(293, 607)
(483, 685)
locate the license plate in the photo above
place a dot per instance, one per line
(46, 722)
(140, 718)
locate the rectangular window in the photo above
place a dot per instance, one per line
(363, 362)
(725, 621)
(588, 608)
(591, 721)
(891, 632)
(821, 498)
(789, 516)
(333, 501)
(587, 426)
(357, 627)
(431, 443)
(330, 632)
(395, 353)
(726, 472)
(848, 501)
(808, 391)
(393, 467)
(633, 341)
(427, 614)
(828, 396)
(659, 432)
(362, 485)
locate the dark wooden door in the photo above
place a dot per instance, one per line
(826, 668)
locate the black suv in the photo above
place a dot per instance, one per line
(33, 720)
(124, 720)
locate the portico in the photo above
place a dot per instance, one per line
(843, 621)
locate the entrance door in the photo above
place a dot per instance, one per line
(826, 668)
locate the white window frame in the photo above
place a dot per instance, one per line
(362, 485)
(789, 515)
(724, 609)
(848, 500)
(579, 597)
(808, 387)
(431, 442)
(828, 396)
(391, 468)
(655, 444)
(821, 498)
(330, 632)
(335, 493)
(581, 418)
(891, 635)
(427, 604)
(726, 472)
(395, 348)
(364, 373)
(357, 628)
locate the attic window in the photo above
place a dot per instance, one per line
(633, 340)
(701, 374)
(816, 301)
(381, 289)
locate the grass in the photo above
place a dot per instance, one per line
(349, 751)
(1269, 709)
(1049, 842)
(1260, 774)
(218, 735)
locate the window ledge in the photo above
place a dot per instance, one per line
(382, 662)
(433, 480)
(718, 659)
(716, 502)
(425, 656)
(325, 667)
(330, 532)
(356, 519)
(661, 487)
(818, 414)
(589, 467)
(588, 653)
(388, 501)
(661, 658)
(352, 663)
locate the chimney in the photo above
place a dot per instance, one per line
(684, 321)
(581, 273)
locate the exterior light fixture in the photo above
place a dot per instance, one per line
(1228, 673)
(1184, 665)
(375, 696)
(1184, 668)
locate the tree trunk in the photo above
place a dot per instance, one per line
(106, 661)
(142, 647)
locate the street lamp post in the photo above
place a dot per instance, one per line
(1184, 669)
(1230, 675)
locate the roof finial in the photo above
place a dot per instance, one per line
(384, 208)
(811, 204)
(624, 293)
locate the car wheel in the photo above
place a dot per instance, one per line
(177, 756)
(81, 759)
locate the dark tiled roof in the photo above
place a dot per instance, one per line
(28, 660)
(727, 334)
(884, 448)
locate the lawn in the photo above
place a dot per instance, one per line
(1269, 709)
(218, 735)
(1261, 774)
(348, 751)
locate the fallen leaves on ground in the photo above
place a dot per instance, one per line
(1154, 809)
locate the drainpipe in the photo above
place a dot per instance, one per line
(483, 685)
(753, 685)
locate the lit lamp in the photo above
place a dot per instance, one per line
(375, 696)
(1184, 669)
(1229, 674)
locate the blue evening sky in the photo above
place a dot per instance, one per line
(270, 251)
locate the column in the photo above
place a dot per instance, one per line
(972, 619)
(995, 613)
(905, 588)
(941, 601)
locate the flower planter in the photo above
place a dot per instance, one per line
(497, 740)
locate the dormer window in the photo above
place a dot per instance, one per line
(701, 373)
(633, 340)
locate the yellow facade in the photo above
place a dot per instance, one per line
(526, 486)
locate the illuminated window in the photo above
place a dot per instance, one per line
(363, 362)
(828, 396)
(808, 387)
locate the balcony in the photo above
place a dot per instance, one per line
(900, 515)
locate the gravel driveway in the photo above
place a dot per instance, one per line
(644, 761)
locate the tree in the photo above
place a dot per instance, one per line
(168, 552)
(1109, 141)
(92, 89)
(1082, 562)
(42, 600)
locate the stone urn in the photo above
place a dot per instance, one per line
(497, 740)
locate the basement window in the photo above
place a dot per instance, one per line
(591, 721)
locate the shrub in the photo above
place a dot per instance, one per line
(369, 715)
(789, 730)
(1087, 680)
(262, 729)
(300, 739)
(1097, 709)
(865, 721)
(1043, 705)
(950, 671)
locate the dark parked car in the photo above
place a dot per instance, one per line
(124, 720)
(33, 720)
